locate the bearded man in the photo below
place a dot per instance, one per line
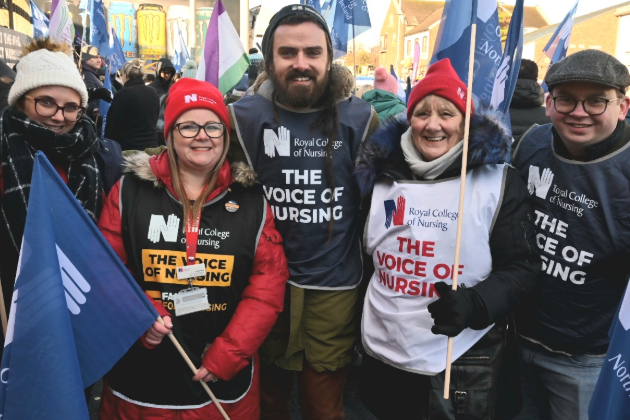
(301, 131)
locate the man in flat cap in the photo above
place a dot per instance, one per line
(301, 131)
(578, 173)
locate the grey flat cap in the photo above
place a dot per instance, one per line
(592, 66)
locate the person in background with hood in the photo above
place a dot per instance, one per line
(383, 98)
(527, 107)
(164, 73)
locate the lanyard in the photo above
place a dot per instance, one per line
(192, 235)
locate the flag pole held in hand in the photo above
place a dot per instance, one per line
(195, 370)
(462, 190)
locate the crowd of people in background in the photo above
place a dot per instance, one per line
(328, 216)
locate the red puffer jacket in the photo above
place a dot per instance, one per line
(260, 304)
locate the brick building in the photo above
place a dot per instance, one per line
(607, 30)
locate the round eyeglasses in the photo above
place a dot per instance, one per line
(45, 107)
(592, 106)
(191, 129)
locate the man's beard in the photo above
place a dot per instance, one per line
(296, 96)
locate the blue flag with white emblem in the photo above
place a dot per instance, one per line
(611, 399)
(314, 4)
(453, 42)
(98, 27)
(40, 21)
(75, 308)
(116, 58)
(505, 79)
(350, 20)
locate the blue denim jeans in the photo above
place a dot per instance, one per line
(556, 386)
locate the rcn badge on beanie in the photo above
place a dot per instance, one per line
(46, 68)
(441, 80)
(187, 94)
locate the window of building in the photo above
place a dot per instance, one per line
(424, 44)
(408, 47)
(391, 20)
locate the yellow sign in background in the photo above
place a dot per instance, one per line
(151, 31)
(160, 266)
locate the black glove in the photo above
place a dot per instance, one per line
(455, 310)
(99, 93)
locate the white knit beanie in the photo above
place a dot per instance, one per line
(46, 68)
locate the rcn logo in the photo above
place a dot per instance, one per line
(158, 226)
(190, 98)
(280, 142)
(395, 212)
(74, 283)
(537, 183)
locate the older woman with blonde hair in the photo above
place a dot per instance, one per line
(133, 114)
(411, 167)
(188, 208)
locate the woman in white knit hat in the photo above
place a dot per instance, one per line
(46, 112)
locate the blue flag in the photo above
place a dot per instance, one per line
(75, 309)
(40, 21)
(314, 4)
(556, 48)
(453, 42)
(98, 27)
(103, 106)
(116, 57)
(611, 399)
(181, 50)
(505, 80)
(351, 19)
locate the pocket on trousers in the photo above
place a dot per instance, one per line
(586, 361)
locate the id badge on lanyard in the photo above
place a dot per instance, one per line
(193, 299)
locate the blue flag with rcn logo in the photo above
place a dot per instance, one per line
(611, 399)
(75, 309)
(453, 42)
(314, 4)
(351, 20)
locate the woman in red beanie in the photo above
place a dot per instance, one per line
(172, 215)
(410, 170)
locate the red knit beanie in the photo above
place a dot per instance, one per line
(188, 94)
(441, 80)
(385, 81)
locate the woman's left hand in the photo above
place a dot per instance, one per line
(205, 375)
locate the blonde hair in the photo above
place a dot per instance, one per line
(195, 210)
(133, 69)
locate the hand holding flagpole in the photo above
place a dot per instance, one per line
(462, 188)
(195, 370)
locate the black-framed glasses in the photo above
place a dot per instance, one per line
(592, 106)
(191, 129)
(45, 107)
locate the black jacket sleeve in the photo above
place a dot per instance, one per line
(515, 260)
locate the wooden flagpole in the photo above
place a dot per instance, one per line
(195, 370)
(462, 190)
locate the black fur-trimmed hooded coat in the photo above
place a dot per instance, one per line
(515, 259)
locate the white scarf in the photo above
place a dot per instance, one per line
(423, 169)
